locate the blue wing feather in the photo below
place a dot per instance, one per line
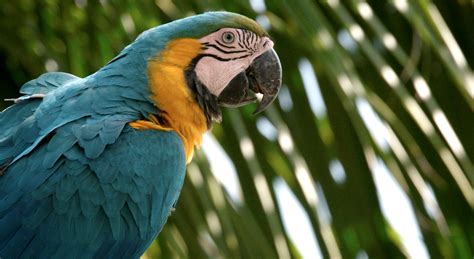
(100, 216)
(46, 83)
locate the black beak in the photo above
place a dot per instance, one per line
(263, 76)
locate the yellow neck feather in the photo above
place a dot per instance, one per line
(172, 96)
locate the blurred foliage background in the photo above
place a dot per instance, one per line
(374, 124)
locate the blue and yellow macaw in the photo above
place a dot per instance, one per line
(91, 167)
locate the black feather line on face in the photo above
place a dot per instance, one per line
(223, 45)
(224, 59)
(253, 39)
(224, 51)
(248, 35)
(206, 100)
(239, 42)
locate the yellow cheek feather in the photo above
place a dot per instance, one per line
(172, 96)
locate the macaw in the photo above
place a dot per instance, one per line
(91, 167)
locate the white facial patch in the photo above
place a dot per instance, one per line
(228, 52)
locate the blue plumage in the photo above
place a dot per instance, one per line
(98, 215)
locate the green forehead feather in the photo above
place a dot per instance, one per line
(243, 22)
(213, 21)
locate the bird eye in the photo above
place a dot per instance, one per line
(228, 37)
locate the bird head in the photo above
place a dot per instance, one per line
(225, 58)
(237, 61)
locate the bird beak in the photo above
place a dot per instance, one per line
(262, 76)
